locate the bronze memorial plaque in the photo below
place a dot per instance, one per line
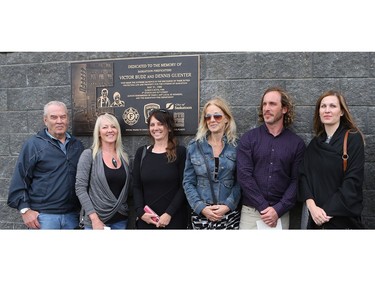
(130, 88)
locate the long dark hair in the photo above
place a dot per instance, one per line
(346, 119)
(166, 119)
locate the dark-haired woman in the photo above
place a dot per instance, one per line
(333, 196)
(157, 177)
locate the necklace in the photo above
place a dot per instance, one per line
(114, 162)
(328, 139)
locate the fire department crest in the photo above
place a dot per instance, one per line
(130, 116)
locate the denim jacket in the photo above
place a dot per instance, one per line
(196, 183)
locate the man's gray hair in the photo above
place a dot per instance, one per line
(58, 103)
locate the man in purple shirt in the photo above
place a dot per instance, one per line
(267, 164)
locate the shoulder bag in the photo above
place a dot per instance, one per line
(345, 155)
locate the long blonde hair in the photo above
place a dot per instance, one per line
(97, 144)
(230, 128)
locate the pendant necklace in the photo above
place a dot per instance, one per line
(114, 162)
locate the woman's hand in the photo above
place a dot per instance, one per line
(164, 220)
(318, 215)
(149, 218)
(96, 222)
(215, 212)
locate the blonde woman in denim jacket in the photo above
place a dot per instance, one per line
(214, 146)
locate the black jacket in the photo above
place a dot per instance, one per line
(322, 177)
(44, 177)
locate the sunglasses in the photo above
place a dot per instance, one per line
(159, 110)
(104, 113)
(216, 116)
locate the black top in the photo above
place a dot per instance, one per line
(322, 177)
(158, 184)
(116, 180)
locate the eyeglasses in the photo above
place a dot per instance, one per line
(217, 117)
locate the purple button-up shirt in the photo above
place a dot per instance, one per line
(267, 168)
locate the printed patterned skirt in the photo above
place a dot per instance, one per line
(230, 221)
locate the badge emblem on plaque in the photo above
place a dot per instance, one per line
(130, 116)
(148, 108)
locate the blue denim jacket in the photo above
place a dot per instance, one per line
(196, 183)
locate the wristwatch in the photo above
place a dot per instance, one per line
(24, 210)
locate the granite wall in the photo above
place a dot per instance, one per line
(29, 80)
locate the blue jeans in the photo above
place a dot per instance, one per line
(117, 225)
(58, 221)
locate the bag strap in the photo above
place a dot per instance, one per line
(143, 156)
(208, 173)
(82, 212)
(345, 155)
(88, 186)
